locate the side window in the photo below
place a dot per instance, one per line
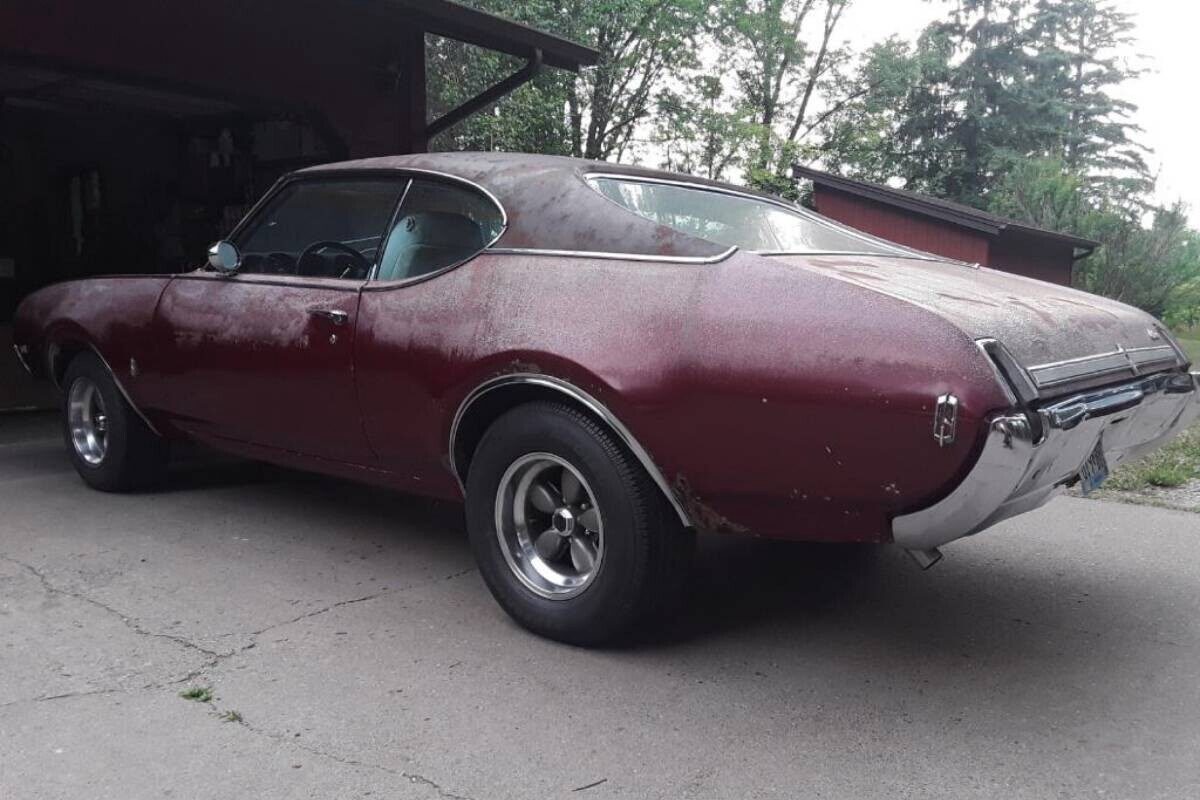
(325, 228)
(438, 225)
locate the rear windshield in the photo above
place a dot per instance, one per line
(737, 220)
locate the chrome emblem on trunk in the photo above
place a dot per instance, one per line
(945, 420)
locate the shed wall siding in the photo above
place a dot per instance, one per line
(1034, 257)
(900, 226)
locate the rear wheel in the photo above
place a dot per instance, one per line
(111, 447)
(574, 540)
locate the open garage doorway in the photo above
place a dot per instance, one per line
(135, 133)
(100, 176)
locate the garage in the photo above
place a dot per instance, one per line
(133, 134)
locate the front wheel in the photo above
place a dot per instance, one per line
(111, 447)
(574, 540)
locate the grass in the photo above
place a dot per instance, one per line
(1192, 347)
(201, 694)
(231, 716)
(1173, 465)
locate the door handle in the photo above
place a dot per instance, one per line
(336, 316)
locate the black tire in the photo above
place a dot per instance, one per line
(646, 550)
(133, 457)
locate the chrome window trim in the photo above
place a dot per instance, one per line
(588, 402)
(914, 256)
(795, 208)
(649, 257)
(373, 284)
(369, 283)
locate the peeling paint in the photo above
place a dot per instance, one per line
(703, 516)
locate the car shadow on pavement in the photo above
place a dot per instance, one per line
(990, 591)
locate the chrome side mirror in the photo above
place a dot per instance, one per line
(224, 257)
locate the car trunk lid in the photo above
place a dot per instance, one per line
(1064, 339)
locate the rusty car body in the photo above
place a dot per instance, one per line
(763, 370)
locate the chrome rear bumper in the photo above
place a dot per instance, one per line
(1026, 460)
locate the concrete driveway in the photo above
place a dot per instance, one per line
(353, 651)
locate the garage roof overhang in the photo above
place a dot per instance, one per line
(42, 66)
(465, 24)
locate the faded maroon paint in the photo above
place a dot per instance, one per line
(301, 56)
(244, 358)
(113, 315)
(782, 396)
(1011, 251)
(716, 399)
(903, 227)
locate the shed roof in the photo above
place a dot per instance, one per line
(469, 25)
(955, 213)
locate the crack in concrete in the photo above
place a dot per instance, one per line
(126, 620)
(352, 601)
(309, 615)
(47, 698)
(213, 657)
(412, 777)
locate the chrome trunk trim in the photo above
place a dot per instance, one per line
(1133, 360)
(1020, 468)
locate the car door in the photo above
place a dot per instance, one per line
(419, 321)
(266, 355)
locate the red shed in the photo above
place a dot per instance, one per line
(947, 229)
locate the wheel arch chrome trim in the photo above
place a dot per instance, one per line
(56, 348)
(21, 351)
(590, 403)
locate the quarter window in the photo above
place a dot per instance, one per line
(736, 220)
(321, 228)
(438, 225)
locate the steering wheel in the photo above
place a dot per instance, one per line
(361, 268)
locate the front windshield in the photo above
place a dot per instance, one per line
(737, 220)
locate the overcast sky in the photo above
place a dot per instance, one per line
(1167, 96)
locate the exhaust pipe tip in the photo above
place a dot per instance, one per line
(925, 558)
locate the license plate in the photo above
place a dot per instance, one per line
(1094, 470)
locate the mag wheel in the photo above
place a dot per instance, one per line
(574, 540)
(111, 447)
(549, 524)
(87, 420)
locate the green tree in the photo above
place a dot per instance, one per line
(1141, 264)
(595, 113)
(700, 132)
(1082, 53)
(782, 54)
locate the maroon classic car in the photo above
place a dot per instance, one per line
(603, 360)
